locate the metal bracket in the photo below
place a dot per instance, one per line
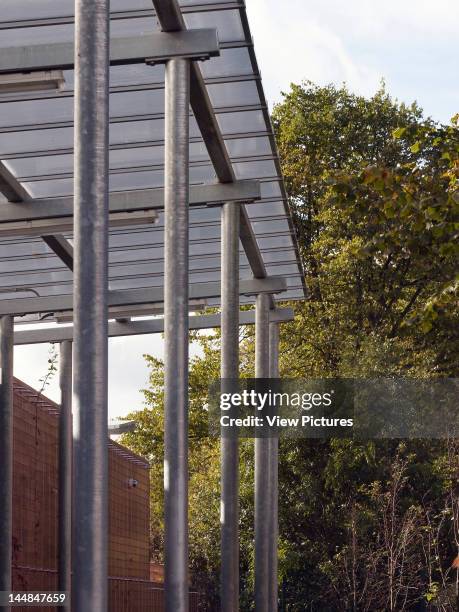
(269, 284)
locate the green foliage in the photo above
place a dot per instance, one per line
(377, 224)
(204, 471)
(53, 359)
(414, 211)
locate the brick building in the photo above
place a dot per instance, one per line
(35, 507)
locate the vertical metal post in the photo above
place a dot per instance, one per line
(90, 550)
(176, 201)
(6, 451)
(65, 470)
(229, 510)
(274, 477)
(262, 481)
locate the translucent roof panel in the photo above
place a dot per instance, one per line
(36, 145)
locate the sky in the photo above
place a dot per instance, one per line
(412, 44)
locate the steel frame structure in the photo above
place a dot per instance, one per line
(84, 346)
(124, 328)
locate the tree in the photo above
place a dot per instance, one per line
(366, 179)
(204, 472)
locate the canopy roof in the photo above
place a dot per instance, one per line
(36, 146)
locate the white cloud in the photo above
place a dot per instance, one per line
(31, 365)
(308, 47)
(412, 44)
(370, 18)
(128, 371)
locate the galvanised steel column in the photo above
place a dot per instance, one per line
(262, 476)
(6, 451)
(177, 92)
(229, 510)
(274, 477)
(65, 470)
(90, 549)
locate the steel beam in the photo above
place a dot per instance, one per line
(250, 245)
(118, 428)
(123, 201)
(45, 227)
(169, 15)
(229, 507)
(16, 193)
(65, 471)
(138, 328)
(171, 20)
(274, 479)
(61, 247)
(176, 330)
(209, 128)
(154, 47)
(6, 452)
(135, 297)
(90, 550)
(262, 482)
(10, 186)
(124, 314)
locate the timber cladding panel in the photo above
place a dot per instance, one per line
(35, 510)
(35, 448)
(129, 514)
